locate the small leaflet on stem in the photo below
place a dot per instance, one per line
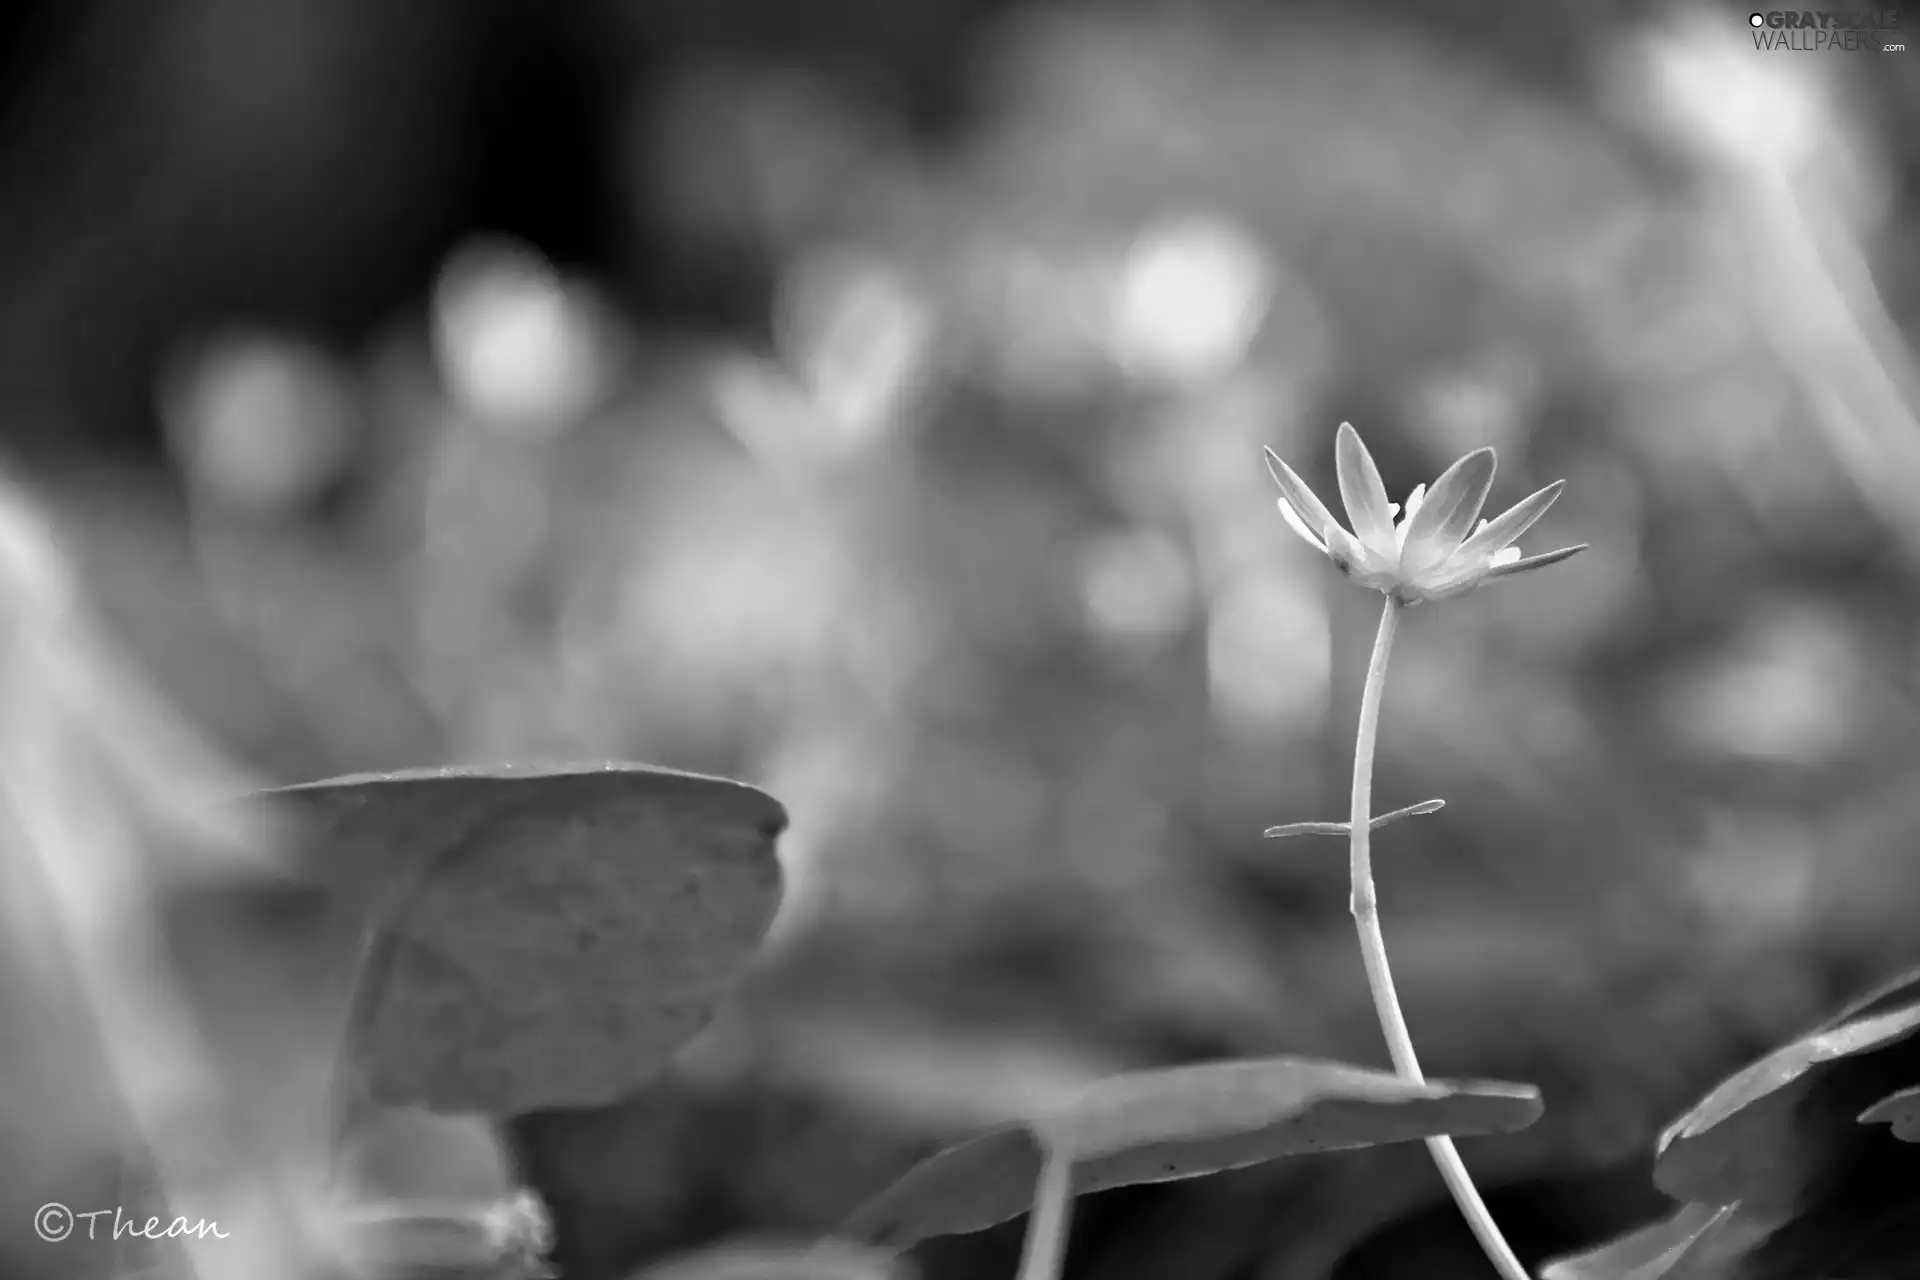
(1342, 828)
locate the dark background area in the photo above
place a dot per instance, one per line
(866, 399)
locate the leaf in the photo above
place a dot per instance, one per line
(539, 937)
(503, 1240)
(922, 1073)
(1901, 1110)
(1867, 1230)
(824, 1260)
(1757, 1137)
(1651, 1253)
(1819, 1193)
(1184, 1122)
(1894, 994)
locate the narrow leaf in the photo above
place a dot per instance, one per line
(1342, 828)
(1307, 829)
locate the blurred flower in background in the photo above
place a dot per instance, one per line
(872, 406)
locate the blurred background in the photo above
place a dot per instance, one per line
(865, 398)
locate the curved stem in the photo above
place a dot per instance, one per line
(1373, 949)
(1046, 1246)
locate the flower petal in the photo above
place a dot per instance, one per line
(1414, 500)
(1502, 532)
(1535, 562)
(1299, 526)
(1359, 561)
(1448, 511)
(1312, 512)
(1456, 577)
(1362, 490)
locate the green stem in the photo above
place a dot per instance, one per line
(1373, 949)
(1046, 1246)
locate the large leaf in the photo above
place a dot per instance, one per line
(750, 1260)
(539, 937)
(1157, 1126)
(1768, 1131)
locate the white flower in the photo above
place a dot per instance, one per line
(1429, 554)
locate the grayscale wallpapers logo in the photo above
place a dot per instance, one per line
(1828, 30)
